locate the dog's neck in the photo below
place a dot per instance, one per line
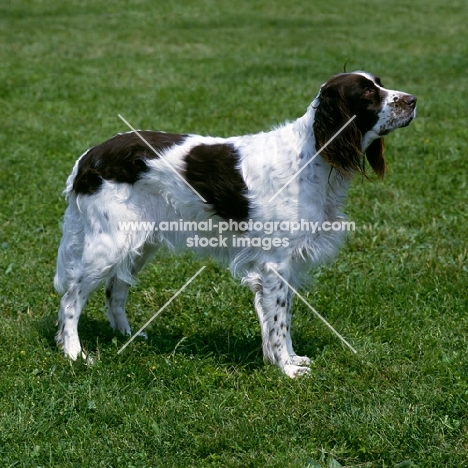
(303, 129)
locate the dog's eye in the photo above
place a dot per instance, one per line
(368, 92)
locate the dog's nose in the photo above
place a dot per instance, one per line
(410, 100)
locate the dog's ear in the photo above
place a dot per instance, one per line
(344, 151)
(375, 156)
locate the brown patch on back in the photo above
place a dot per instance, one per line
(213, 171)
(120, 159)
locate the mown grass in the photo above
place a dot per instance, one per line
(198, 393)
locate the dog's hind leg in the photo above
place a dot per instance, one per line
(103, 256)
(117, 292)
(72, 280)
(71, 305)
(116, 299)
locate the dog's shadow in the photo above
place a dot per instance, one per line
(226, 347)
(97, 338)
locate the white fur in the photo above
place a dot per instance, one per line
(93, 248)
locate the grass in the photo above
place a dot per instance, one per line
(198, 394)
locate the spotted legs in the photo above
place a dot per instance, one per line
(116, 299)
(273, 306)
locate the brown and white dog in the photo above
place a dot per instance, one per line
(299, 172)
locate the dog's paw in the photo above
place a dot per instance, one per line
(142, 335)
(70, 345)
(123, 328)
(74, 352)
(291, 370)
(300, 360)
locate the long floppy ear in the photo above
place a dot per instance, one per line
(344, 151)
(375, 156)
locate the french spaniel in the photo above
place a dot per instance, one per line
(256, 194)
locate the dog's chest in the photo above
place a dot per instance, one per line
(322, 207)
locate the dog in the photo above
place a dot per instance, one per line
(295, 175)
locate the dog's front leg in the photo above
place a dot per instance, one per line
(273, 304)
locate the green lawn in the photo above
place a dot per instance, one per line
(197, 393)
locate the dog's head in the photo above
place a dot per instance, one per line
(375, 111)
